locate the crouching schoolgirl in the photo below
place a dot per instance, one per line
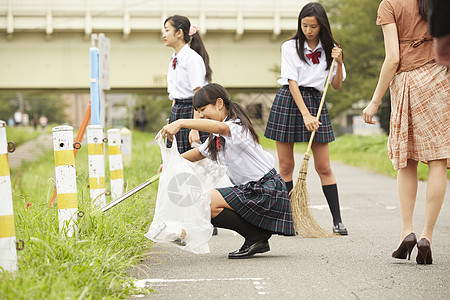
(258, 205)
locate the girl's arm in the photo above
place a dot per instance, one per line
(311, 122)
(336, 53)
(387, 72)
(194, 136)
(211, 126)
(193, 155)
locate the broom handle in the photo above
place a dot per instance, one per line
(322, 101)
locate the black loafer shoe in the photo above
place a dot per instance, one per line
(340, 229)
(249, 251)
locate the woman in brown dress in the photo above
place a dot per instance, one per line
(420, 117)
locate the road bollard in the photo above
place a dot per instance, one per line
(8, 254)
(125, 133)
(115, 162)
(96, 153)
(65, 176)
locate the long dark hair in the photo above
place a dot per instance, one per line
(196, 42)
(314, 9)
(209, 94)
(423, 9)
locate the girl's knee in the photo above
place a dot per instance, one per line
(286, 167)
(324, 169)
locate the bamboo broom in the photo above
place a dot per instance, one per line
(304, 223)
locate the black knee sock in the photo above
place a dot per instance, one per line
(331, 193)
(229, 219)
(289, 186)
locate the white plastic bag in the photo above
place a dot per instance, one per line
(183, 214)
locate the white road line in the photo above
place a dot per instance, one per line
(145, 282)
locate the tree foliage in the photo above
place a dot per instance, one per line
(353, 26)
(48, 104)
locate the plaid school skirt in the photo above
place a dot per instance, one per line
(264, 203)
(183, 109)
(286, 123)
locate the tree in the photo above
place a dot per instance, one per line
(47, 104)
(353, 26)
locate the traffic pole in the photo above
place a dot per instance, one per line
(96, 154)
(126, 136)
(8, 254)
(65, 176)
(115, 162)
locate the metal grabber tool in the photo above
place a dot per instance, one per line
(130, 193)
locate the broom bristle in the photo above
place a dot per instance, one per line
(304, 223)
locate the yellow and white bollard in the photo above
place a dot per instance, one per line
(115, 162)
(96, 153)
(8, 254)
(65, 176)
(125, 133)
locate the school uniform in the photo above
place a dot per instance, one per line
(285, 123)
(186, 72)
(259, 194)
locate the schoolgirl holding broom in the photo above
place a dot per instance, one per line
(258, 205)
(188, 71)
(305, 62)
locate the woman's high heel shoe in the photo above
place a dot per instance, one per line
(424, 253)
(405, 247)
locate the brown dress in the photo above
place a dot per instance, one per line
(420, 91)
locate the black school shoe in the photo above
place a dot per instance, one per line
(247, 251)
(340, 229)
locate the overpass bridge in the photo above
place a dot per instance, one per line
(44, 44)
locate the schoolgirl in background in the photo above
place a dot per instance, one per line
(188, 71)
(258, 205)
(305, 62)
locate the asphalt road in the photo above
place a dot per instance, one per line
(357, 266)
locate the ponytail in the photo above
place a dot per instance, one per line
(209, 95)
(199, 47)
(194, 41)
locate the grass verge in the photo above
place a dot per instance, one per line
(93, 263)
(366, 152)
(20, 135)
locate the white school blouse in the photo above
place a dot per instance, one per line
(306, 75)
(189, 74)
(246, 160)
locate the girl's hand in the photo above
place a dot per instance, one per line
(171, 129)
(336, 53)
(194, 137)
(369, 112)
(160, 168)
(311, 123)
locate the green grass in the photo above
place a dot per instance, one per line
(93, 264)
(369, 152)
(20, 135)
(366, 152)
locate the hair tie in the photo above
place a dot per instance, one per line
(193, 30)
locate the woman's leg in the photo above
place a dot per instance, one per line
(436, 187)
(407, 193)
(286, 162)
